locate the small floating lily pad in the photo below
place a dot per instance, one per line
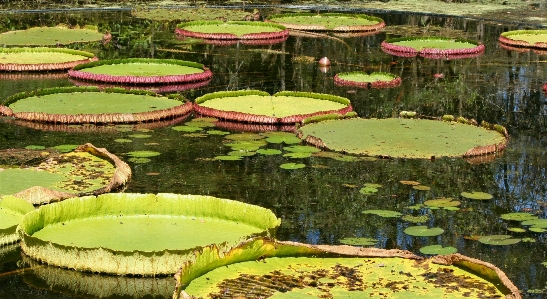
(442, 202)
(410, 183)
(242, 153)
(423, 231)
(535, 223)
(254, 106)
(269, 152)
(228, 158)
(518, 216)
(359, 241)
(301, 149)
(415, 219)
(187, 129)
(143, 154)
(499, 240)
(49, 36)
(123, 140)
(421, 188)
(368, 190)
(364, 80)
(516, 229)
(251, 145)
(141, 71)
(139, 136)
(291, 166)
(297, 155)
(65, 148)
(328, 21)
(384, 213)
(217, 132)
(477, 195)
(432, 47)
(438, 249)
(402, 138)
(283, 137)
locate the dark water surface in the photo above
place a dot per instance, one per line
(321, 203)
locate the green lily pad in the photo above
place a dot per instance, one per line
(242, 153)
(292, 165)
(423, 231)
(217, 132)
(235, 29)
(368, 190)
(421, 188)
(143, 154)
(442, 202)
(245, 137)
(123, 140)
(297, 155)
(251, 145)
(125, 233)
(65, 148)
(359, 241)
(384, 213)
(200, 124)
(12, 210)
(499, 240)
(415, 219)
(49, 36)
(373, 185)
(536, 223)
(537, 230)
(269, 152)
(328, 21)
(191, 14)
(416, 207)
(283, 137)
(301, 149)
(139, 136)
(518, 216)
(228, 158)
(516, 229)
(529, 240)
(477, 195)
(187, 128)
(400, 138)
(438, 249)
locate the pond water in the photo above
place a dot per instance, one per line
(321, 203)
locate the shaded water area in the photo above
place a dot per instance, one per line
(320, 203)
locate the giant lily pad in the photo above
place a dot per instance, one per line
(127, 233)
(364, 80)
(141, 71)
(232, 30)
(255, 106)
(328, 21)
(194, 14)
(525, 38)
(87, 170)
(404, 138)
(12, 210)
(288, 269)
(423, 231)
(49, 36)
(42, 59)
(57, 105)
(432, 47)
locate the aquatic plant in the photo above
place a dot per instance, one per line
(141, 71)
(194, 14)
(85, 171)
(233, 30)
(433, 47)
(253, 106)
(337, 22)
(12, 210)
(404, 138)
(157, 88)
(124, 233)
(364, 80)
(525, 38)
(50, 36)
(294, 268)
(42, 59)
(55, 105)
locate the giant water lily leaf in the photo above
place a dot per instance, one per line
(124, 233)
(518, 216)
(383, 213)
(12, 210)
(499, 240)
(438, 249)
(359, 241)
(293, 270)
(423, 231)
(477, 195)
(49, 36)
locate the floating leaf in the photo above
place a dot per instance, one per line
(292, 166)
(421, 188)
(123, 140)
(498, 240)
(301, 149)
(358, 241)
(228, 158)
(477, 195)
(415, 219)
(346, 158)
(537, 230)
(143, 154)
(423, 231)
(442, 202)
(281, 137)
(195, 135)
(200, 124)
(269, 152)
(536, 223)
(416, 207)
(516, 229)
(529, 240)
(186, 129)
(251, 145)
(518, 216)
(372, 185)
(65, 148)
(383, 213)
(139, 136)
(438, 249)
(368, 190)
(217, 132)
(242, 153)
